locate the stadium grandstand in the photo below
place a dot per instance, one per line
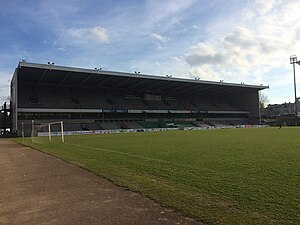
(94, 99)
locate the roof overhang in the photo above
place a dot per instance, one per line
(48, 74)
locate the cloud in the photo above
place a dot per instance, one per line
(4, 87)
(4, 93)
(253, 49)
(263, 7)
(85, 35)
(204, 54)
(259, 8)
(58, 46)
(99, 34)
(159, 38)
(4, 99)
(159, 10)
(77, 35)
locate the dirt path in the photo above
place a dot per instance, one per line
(36, 188)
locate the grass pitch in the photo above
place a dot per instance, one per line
(229, 176)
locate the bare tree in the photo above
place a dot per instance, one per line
(263, 100)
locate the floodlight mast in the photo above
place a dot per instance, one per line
(293, 60)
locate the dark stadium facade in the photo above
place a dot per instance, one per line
(93, 99)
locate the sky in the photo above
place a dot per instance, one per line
(247, 41)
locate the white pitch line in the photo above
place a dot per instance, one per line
(141, 157)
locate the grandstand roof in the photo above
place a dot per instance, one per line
(53, 75)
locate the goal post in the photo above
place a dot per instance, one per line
(43, 130)
(61, 123)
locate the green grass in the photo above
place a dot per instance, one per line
(229, 176)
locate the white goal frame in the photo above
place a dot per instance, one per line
(61, 129)
(49, 129)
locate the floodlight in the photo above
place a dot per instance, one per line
(293, 60)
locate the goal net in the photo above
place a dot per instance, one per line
(41, 131)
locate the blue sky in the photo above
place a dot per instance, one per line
(233, 40)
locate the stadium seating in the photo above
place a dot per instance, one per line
(109, 125)
(85, 99)
(184, 124)
(134, 125)
(69, 98)
(149, 124)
